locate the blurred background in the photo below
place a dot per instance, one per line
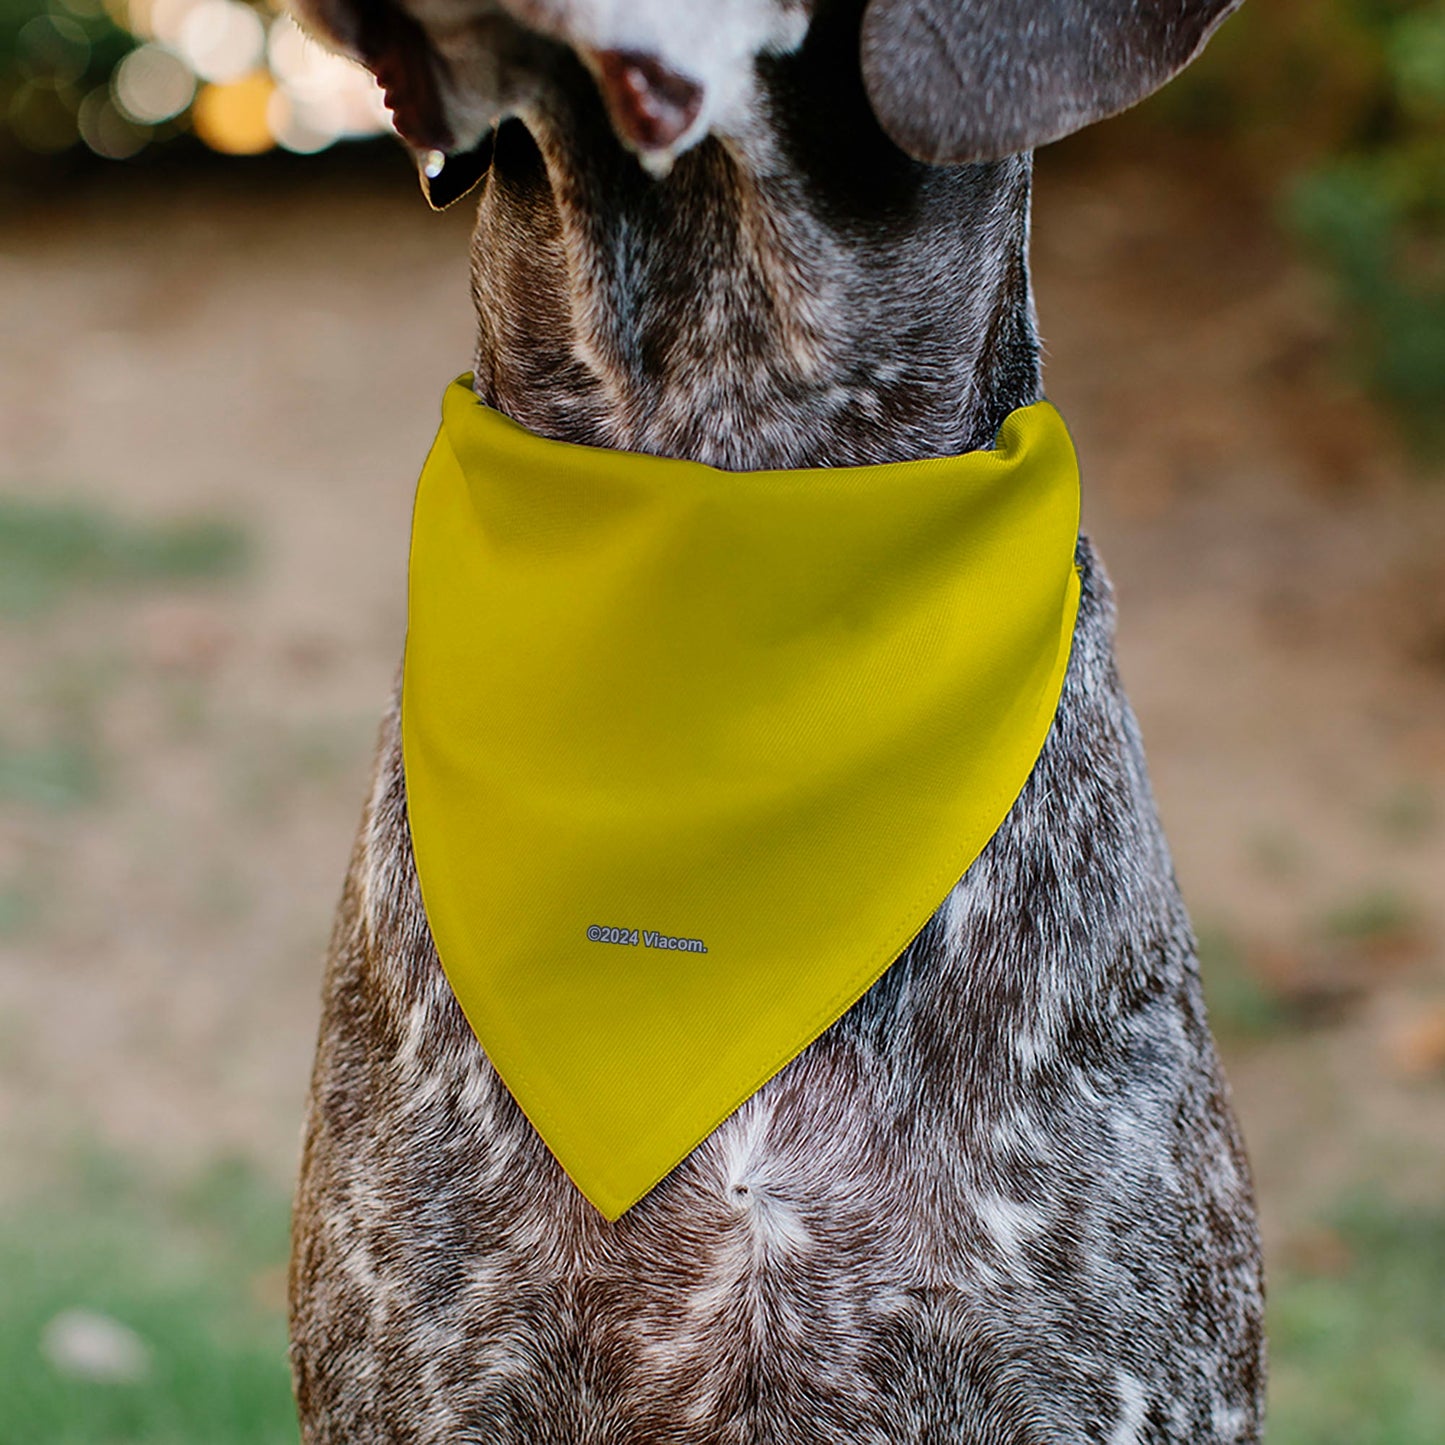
(227, 317)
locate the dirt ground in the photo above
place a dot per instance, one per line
(273, 355)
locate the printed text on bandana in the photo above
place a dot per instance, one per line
(648, 939)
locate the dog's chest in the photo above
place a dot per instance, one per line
(1007, 1174)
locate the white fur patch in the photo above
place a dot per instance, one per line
(1133, 1403)
(1008, 1224)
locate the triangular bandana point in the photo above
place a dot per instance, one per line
(692, 755)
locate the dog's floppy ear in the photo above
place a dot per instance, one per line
(976, 80)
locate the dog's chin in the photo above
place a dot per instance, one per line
(446, 178)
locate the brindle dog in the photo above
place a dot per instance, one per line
(1002, 1200)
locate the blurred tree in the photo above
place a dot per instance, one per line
(1339, 105)
(114, 77)
(52, 58)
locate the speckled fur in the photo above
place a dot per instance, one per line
(1003, 1199)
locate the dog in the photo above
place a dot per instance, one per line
(1003, 1200)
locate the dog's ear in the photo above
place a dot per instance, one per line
(976, 80)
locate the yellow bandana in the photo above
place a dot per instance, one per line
(691, 755)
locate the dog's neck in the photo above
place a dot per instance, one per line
(804, 297)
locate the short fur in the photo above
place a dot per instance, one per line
(1002, 1200)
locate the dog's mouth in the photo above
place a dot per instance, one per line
(650, 107)
(414, 77)
(448, 83)
(394, 46)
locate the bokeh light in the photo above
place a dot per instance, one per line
(233, 117)
(320, 97)
(56, 45)
(152, 84)
(106, 130)
(119, 75)
(221, 40)
(42, 114)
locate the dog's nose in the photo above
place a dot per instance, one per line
(651, 106)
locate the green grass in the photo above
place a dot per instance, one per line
(1240, 1005)
(51, 549)
(17, 908)
(193, 1276)
(1358, 1356)
(1408, 815)
(55, 776)
(1380, 913)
